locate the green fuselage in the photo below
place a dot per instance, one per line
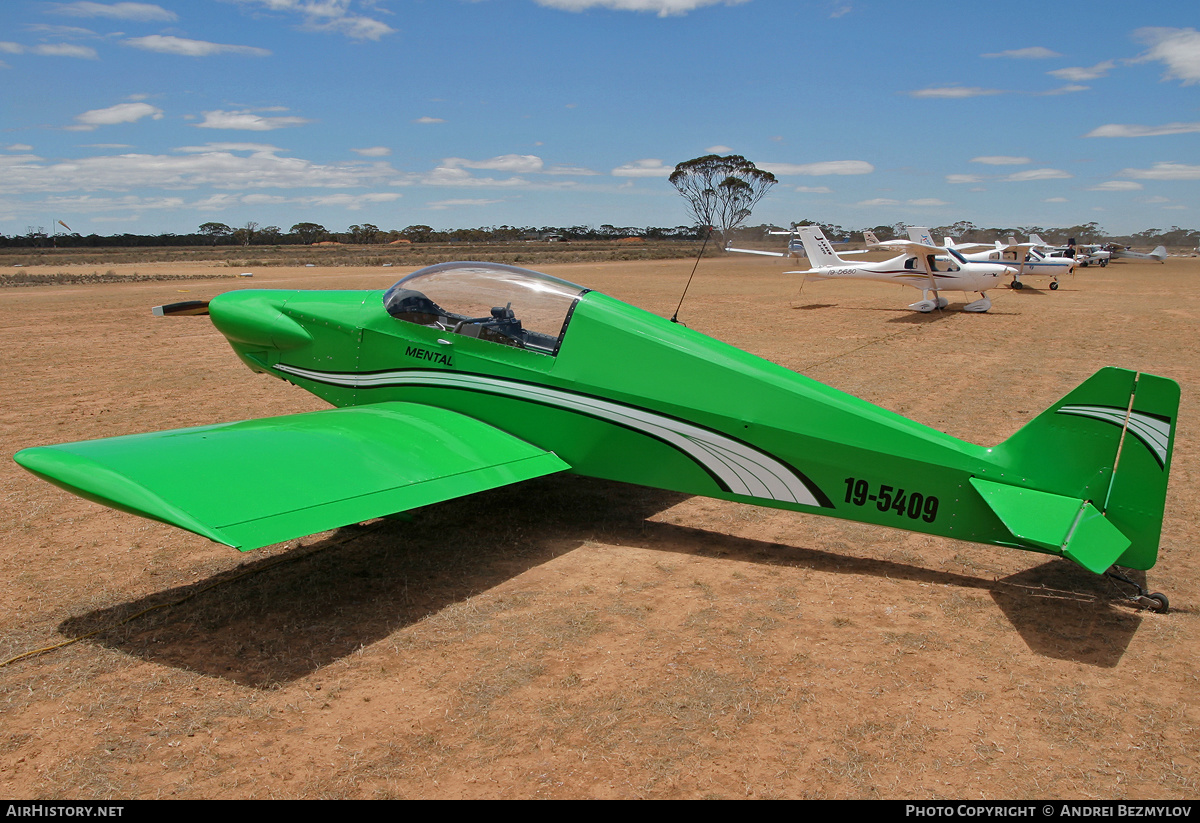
(634, 398)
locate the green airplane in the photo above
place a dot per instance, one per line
(468, 376)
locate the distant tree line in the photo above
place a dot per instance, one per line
(252, 234)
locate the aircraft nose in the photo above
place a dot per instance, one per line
(256, 318)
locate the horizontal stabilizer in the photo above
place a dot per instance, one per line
(1062, 525)
(259, 482)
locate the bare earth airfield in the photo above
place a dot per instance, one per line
(571, 638)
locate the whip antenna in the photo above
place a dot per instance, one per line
(708, 234)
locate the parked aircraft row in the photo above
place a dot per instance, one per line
(965, 267)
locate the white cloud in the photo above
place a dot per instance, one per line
(26, 174)
(166, 44)
(718, 150)
(18, 147)
(954, 92)
(814, 189)
(1120, 130)
(373, 151)
(247, 121)
(820, 169)
(1038, 174)
(252, 147)
(572, 170)
(458, 176)
(1154, 201)
(1077, 73)
(963, 178)
(1030, 53)
(885, 201)
(120, 113)
(65, 50)
(1178, 49)
(446, 204)
(517, 163)
(643, 168)
(50, 50)
(663, 8)
(1056, 200)
(1117, 185)
(424, 120)
(1001, 160)
(140, 12)
(1163, 171)
(329, 16)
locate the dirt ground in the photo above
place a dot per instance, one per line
(569, 638)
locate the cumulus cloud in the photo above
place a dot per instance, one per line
(519, 163)
(1070, 88)
(166, 44)
(886, 201)
(1077, 73)
(120, 113)
(1163, 171)
(447, 204)
(246, 121)
(963, 178)
(253, 147)
(1001, 160)
(139, 12)
(1178, 49)
(954, 92)
(373, 151)
(1117, 185)
(221, 169)
(425, 120)
(1120, 130)
(643, 168)
(50, 50)
(718, 150)
(1038, 174)
(1030, 53)
(18, 147)
(819, 169)
(333, 16)
(663, 8)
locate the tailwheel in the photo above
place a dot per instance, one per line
(1153, 601)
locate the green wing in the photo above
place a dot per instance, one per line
(258, 482)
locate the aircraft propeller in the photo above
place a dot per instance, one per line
(182, 309)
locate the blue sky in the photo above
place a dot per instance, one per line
(157, 117)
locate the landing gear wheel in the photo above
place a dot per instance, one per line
(1018, 285)
(1054, 286)
(1154, 601)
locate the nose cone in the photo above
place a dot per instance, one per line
(256, 318)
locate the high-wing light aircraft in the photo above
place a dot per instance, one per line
(1159, 253)
(468, 376)
(922, 266)
(1025, 258)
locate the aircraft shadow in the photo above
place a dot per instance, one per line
(281, 618)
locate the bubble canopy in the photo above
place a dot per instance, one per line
(490, 301)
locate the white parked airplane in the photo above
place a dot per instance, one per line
(1025, 258)
(1159, 254)
(921, 265)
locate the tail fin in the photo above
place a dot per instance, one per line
(1033, 238)
(1160, 254)
(921, 234)
(870, 238)
(1107, 446)
(819, 251)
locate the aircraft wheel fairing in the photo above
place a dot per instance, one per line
(981, 305)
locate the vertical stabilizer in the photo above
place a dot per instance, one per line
(820, 252)
(1109, 443)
